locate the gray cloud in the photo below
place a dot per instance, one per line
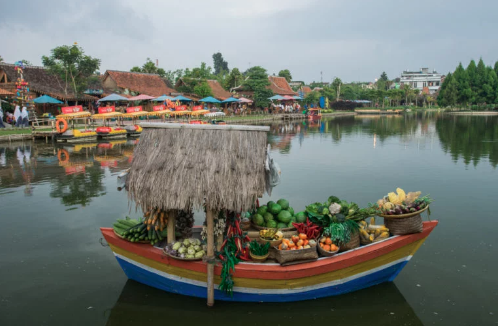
(355, 40)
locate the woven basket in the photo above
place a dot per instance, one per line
(273, 243)
(353, 243)
(286, 256)
(390, 217)
(257, 227)
(325, 253)
(179, 258)
(401, 226)
(258, 259)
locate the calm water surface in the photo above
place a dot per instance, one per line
(54, 271)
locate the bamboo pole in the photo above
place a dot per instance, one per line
(210, 257)
(171, 226)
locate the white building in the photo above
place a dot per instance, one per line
(422, 79)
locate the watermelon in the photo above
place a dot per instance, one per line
(282, 225)
(293, 218)
(275, 209)
(284, 216)
(270, 203)
(290, 209)
(268, 217)
(258, 220)
(262, 210)
(271, 224)
(284, 203)
(301, 217)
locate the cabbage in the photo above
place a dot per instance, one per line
(197, 242)
(199, 254)
(197, 248)
(191, 251)
(186, 243)
(182, 250)
(177, 245)
(192, 241)
(189, 256)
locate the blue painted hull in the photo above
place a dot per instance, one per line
(163, 283)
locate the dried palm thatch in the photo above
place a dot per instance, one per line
(177, 166)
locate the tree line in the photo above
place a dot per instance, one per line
(474, 85)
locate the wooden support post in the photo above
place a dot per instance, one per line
(210, 257)
(171, 226)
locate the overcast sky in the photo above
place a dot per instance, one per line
(355, 40)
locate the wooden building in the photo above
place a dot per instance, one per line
(134, 83)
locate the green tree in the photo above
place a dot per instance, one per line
(203, 90)
(286, 74)
(407, 92)
(234, 79)
(480, 80)
(472, 73)
(464, 91)
(71, 64)
(496, 67)
(451, 91)
(1, 59)
(149, 67)
(26, 62)
(202, 72)
(219, 64)
(336, 84)
(384, 77)
(488, 92)
(173, 76)
(312, 98)
(257, 81)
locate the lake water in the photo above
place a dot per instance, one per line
(54, 271)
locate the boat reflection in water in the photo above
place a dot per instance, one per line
(380, 305)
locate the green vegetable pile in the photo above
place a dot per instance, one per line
(338, 218)
(135, 231)
(259, 249)
(277, 215)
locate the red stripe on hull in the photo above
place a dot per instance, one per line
(262, 271)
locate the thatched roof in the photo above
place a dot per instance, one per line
(41, 81)
(179, 166)
(143, 83)
(280, 86)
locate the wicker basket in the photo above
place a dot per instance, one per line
(258, 259)
(325, 253)
(273, 243)
(178, 258)
(287, 256)
(353, 243)
(245, 225)
(391, 217)
(257, 227)
(402, 226)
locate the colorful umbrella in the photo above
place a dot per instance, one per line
(276, 97)
(209, 99)
(141, 97)
(113, 98)
(46, 99)
(245, 100)
(181, 98)
(162, 98)
(231, 100)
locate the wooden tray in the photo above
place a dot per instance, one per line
(405, 215)
(120, 236)
(178, 258)
(257, 227)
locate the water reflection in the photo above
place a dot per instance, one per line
(380, 305)
(470, 138)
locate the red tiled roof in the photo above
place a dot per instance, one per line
(150, 84)
(218, 92)
(280, 86)
(306, 89)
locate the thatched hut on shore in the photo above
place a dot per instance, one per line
(178, 166)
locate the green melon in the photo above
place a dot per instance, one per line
(290, 210)
(275, 209)
(301, 217)
(290, 225)
(258, 220)
(284, 203)
(268, 217)
(293, 218)
(271, 224)
(262, 210)
(270, 203)
(284, 216)
(282, 225)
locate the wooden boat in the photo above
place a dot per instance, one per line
(345, 272)
(108, 132)
(314, 114)
(71, 113)
(134, 112)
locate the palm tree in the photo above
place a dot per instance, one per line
(417, 93)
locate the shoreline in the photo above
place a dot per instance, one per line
(483, 113)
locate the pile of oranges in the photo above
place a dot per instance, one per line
(297, 242)
(327, 245)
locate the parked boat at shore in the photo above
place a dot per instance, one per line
(72, 113)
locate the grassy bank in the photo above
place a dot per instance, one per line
(19, 131)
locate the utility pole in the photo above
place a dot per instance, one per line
(321, 77)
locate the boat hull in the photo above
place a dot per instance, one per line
(350, 271)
